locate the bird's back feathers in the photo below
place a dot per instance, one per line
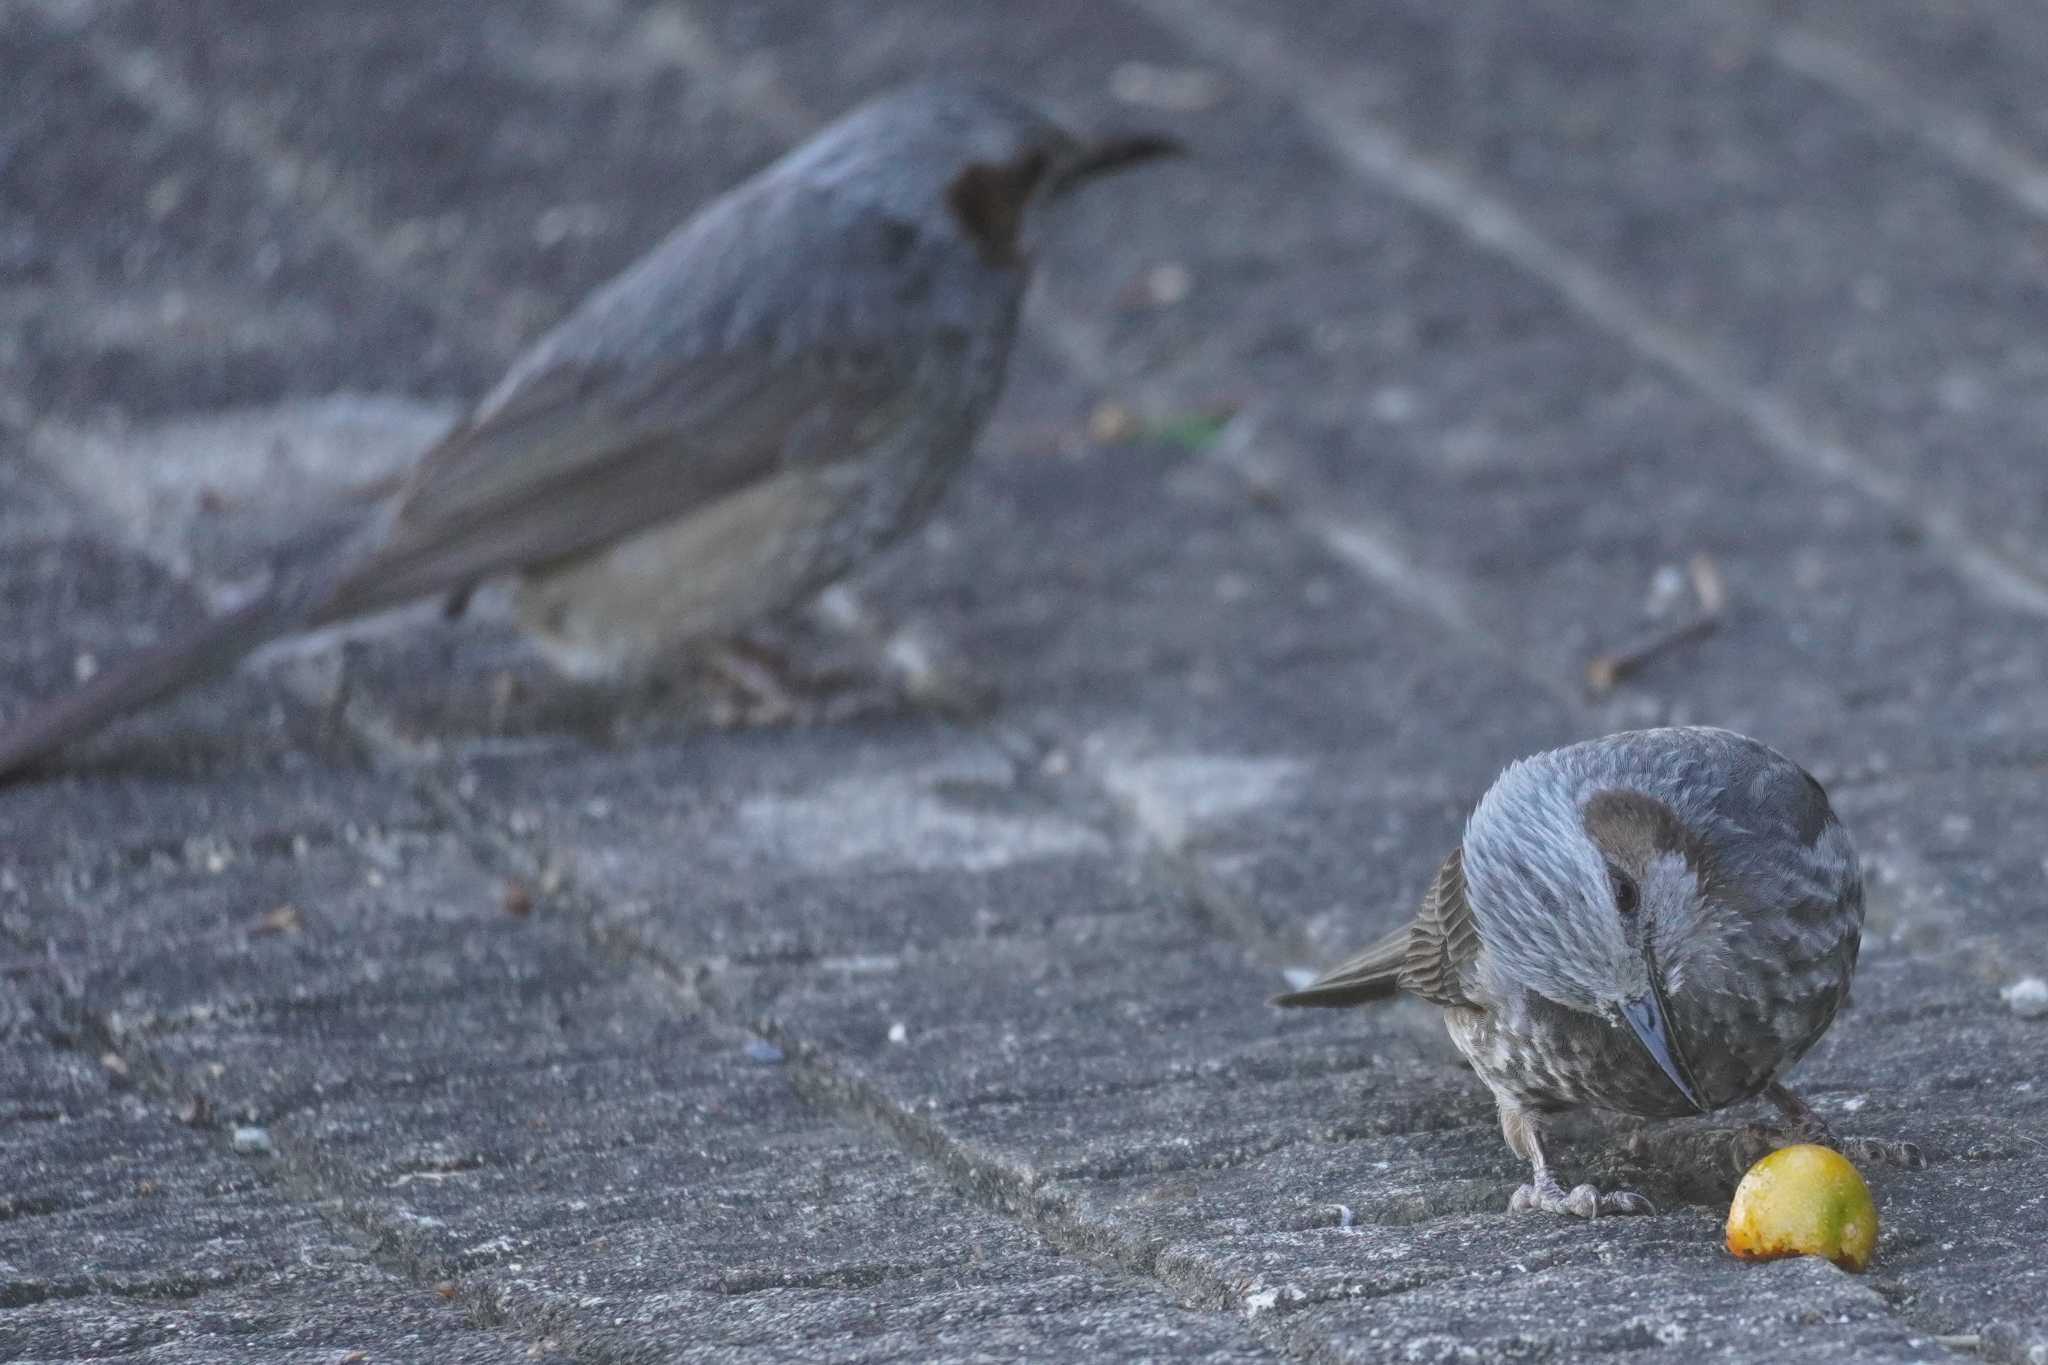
(692, 376)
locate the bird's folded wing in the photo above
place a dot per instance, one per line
(587, 452)
(1443, 940)
(1423, 957)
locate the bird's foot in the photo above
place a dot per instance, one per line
(1804, 1124)
(923, 669)
(759, 691)
(1884, 1152)
(334, 715)
(1545, 1195)
(1863, 1151)
(929, 677)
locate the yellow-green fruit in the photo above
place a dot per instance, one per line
(1803, 1201)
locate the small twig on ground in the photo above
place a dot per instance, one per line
(1605, 671)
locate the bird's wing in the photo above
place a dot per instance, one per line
(571, 461)
(589, 451)
(780, 326)
(1443, 940)
(1424, 957)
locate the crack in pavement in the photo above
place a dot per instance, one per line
(985, 1180)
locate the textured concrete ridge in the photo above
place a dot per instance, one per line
(436, 1009)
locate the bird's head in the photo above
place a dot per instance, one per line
(1596, 895)
(977, 155)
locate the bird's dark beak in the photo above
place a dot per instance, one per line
(1650, 1020)
(1113, 153)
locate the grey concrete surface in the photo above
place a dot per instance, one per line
(593, 1025)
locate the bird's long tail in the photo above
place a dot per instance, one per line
(1373, 974)
(208, 648)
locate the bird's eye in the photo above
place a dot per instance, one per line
(1625, 897)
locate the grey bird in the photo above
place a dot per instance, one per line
(1659, 922)
(781, 388)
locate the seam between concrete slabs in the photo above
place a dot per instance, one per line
(1965, 141)
(832, 1088)
(286, 1175)
(1377, 153)
(1366, 550)
(983, 1181)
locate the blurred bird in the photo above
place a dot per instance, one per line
(777, 391)
(1659, 922)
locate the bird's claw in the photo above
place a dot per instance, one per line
(1864, 1151)
(927, 674)
(954, 691)
(758, 688)
(1881, 1152)
(1584, 1201)
(1624, 1202)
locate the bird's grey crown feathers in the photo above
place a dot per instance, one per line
(903, 148)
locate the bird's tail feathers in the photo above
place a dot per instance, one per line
(211, 647)
(1373, 974)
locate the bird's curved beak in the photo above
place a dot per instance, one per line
(1650, 1020)
(1114, 152)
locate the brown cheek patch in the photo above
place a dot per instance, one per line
(989, 200)
(1635, 829)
